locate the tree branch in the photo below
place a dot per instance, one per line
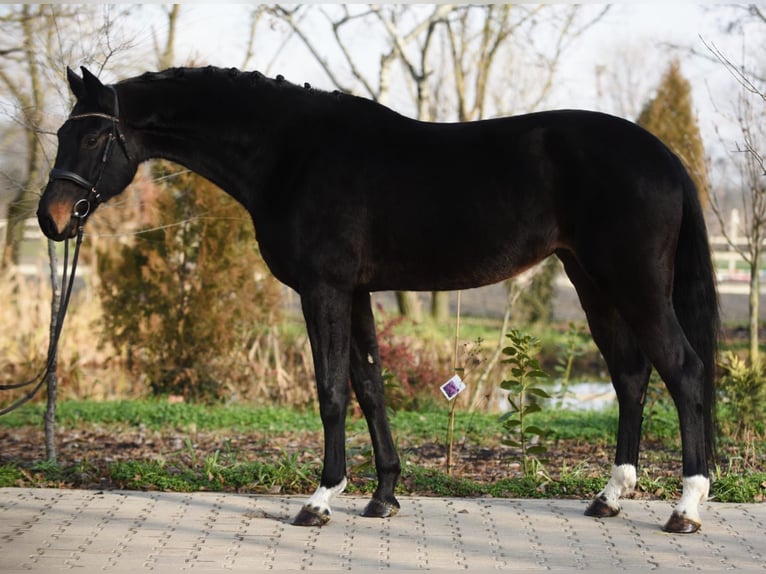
(738, 73)
(288, 16)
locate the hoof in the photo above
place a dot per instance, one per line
(600, 509)
(378, 509)
(311, 517)
(680, 524)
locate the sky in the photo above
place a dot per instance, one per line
(631, 45)
(634, 42)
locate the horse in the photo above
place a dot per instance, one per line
(349, 197)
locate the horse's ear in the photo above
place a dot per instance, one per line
(97, 92)
(92, 84)
(76, 84)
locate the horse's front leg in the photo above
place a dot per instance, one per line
(328, 319)
(367, 381)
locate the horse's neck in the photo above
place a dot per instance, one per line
(187, 128)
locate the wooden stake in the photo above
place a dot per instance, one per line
(453, 402)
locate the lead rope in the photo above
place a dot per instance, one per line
(67, 285)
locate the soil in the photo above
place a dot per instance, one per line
(93, 449)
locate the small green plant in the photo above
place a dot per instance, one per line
(523, 392)
(748, 486)
(742, 397)
(11, 475)
(663, 487)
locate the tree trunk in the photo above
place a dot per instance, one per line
(409, 305)
(14, 232)
(52, 381)
(24, 201)
(440, 306)
(166, 56)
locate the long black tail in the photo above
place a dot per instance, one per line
(695, 299)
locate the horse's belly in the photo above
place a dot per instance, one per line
(445, 272)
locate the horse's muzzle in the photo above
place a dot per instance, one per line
(57, 219)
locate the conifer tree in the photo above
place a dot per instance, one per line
(670, 116)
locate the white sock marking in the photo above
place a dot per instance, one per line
(622, 482)
(319, 502)
(695, 491)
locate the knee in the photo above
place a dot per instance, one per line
(333, 405)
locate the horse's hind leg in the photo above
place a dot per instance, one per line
(641, 291)
(367, 381)
(629, 369)
(683, 373)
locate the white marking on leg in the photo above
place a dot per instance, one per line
(622, 482)
(695, 491)
(319, 503)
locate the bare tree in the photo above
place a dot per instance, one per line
(22, 78)
(443, 56)
(33, 55)
(624, 80)
(407, 34)
(419, 70)
(483, 38)
(748, 154)
(166, 53)
(529, 42)
(38, 41)
(256, 17)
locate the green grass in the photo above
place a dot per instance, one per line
(288, 473)
(745, 487)
(428, 424)
(11, 475)
(158, 414)
(286, 476)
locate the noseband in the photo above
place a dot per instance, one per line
(83, 206)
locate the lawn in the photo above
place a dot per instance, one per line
(158, 445)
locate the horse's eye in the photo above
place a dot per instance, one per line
(90, 141)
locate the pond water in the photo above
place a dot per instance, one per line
(582, 396)
(594, 396)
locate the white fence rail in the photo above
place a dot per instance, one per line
(31, 230)
(732, 270)
(34, 251)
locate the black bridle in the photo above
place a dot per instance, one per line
(80, 211)
(85, 205)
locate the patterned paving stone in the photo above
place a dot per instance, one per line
(48, 530)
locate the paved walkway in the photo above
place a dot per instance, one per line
(46, 530)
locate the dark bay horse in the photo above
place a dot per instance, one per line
(349, 197)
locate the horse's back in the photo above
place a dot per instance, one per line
(450, 206)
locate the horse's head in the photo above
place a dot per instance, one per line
(93, 162)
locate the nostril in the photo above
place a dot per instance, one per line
(48, 225)
(45, 222)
